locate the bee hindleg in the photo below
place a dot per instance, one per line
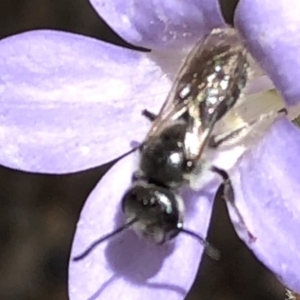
(149, 115)
(229, 196)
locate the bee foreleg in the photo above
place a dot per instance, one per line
(149, 115)
(228, 196)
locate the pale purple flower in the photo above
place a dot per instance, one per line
(69, 103)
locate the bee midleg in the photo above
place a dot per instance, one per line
(149, 115)
(215, 141)
(229, 196)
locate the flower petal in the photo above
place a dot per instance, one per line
(272, 29)
(267, 193)
(128, 267)
(69, 102)
(156, 24)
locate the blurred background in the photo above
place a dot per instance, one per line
(38, 213)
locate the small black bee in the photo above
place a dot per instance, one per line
(175, 151)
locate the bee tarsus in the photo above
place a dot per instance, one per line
(149, 115)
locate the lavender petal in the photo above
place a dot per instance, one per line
(272, 30)
(161, 25)
(128, 267)
(267, 193)
(69, 102)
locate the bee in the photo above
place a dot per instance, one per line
(180, 144)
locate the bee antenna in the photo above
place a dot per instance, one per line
(210, 250)
(102, 239)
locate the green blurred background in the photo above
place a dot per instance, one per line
(38, 213)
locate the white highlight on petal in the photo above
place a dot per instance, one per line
(85, 150)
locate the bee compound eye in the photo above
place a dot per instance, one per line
(137, 198)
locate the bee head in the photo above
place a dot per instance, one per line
(158, 211)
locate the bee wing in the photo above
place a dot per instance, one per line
(209, 68)
(175, 105)
(215, 81)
